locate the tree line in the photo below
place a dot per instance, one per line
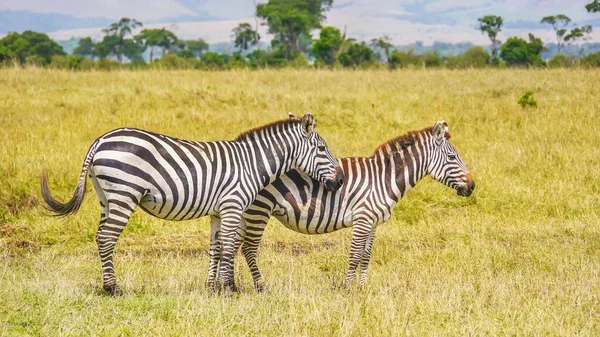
(290, 22)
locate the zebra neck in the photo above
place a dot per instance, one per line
(407, 166)
(267, 157)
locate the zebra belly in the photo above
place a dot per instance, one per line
(125, 177)
(314, 217)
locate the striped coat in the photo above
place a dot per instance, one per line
(176, 179)
(372, 188)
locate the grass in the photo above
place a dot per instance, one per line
(520, 257)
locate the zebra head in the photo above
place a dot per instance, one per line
(314, 156)
(445, 165)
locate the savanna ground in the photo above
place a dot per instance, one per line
(519, 257)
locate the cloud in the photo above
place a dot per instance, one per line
(405, 21)
(113, 9)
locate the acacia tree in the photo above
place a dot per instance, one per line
(559, 25)
(288, 19)
(85, 48)
(196, 47)
(148, 38)
(383, 44)
(245, 36)
(593, 7)
(578, 34)
(492, 25)
(117, 33)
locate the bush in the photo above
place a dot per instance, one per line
(106, 64)
(71, 62)
(212, 60)
(236, 61)
(172, 61)
(401, 59)
(299, 62)
(474, 57)
(527, 100)
(590, 60)
(559, 61)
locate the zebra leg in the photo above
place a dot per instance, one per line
(214, 252)
(360, 232)
(364, 262)
(240, 234)
(230, 221)
(116, 210)
(254, 233)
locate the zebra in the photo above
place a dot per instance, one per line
(372, 188)
(176, 179)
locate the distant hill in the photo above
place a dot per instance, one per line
(19, 21)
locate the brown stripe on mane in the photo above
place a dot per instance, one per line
(404, 140)
(246, 133)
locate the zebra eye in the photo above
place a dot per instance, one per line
(321, 147)
(451, 157)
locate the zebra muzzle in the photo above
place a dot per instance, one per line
(337, 182)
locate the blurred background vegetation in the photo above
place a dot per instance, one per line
(126, 44)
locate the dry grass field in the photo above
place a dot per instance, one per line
(519, 257)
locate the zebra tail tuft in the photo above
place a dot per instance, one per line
(71, 206)
(68, 208)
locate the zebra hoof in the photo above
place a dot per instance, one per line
(113, 290)
(213, 287)
(231, 288)
(260, 288)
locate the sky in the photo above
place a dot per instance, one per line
(405, 21)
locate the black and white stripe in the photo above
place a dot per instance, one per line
(177, 179)
(372, 188)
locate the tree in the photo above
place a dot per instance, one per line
(578, 34)
(518, 52)
(29, 47)
(383, 44)
(196, 47)
(160, 38)
(288, 19)
(593, 7)
(357, 54)
(245, 36)
(85, 48)
(118, 32)
(326, 48)
(133, 51)
(559, 24)
(148, 38)
(492, 25)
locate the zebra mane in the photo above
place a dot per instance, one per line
(244, 135)
(402, 141)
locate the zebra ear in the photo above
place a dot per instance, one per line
(308, 123)
(292, 117)
(440, 129)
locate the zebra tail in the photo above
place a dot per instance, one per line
(72, 206)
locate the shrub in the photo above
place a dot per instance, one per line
(299, 62)
(474, 57)
(172, 61)
(559, 61)
(106, 64)
(590, 60)
(402, 59)
(527, 100)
